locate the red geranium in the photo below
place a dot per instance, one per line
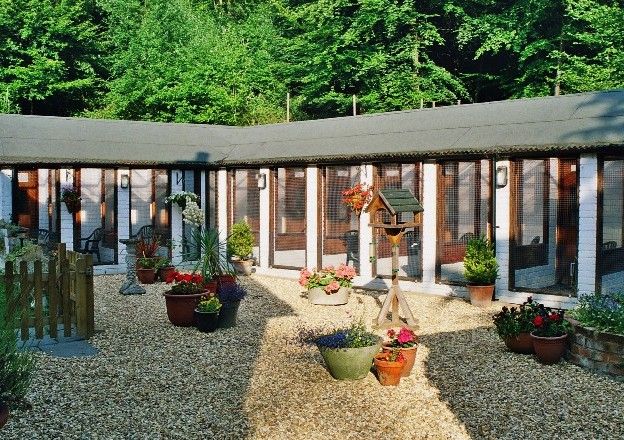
(538, 321)
(186, 283)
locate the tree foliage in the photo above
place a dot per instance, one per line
(232, 62)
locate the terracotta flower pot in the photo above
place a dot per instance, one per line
(223, 280)
(211, 286)
(388, 373)
(549, 350)
(481, 296)
(146, 276)
(181, 308)
(523, 343)
(206, 322)
(409, 353)
(318, 296)
(165, 272)
(4, 414)
(243, 267)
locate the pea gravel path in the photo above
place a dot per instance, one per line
(151, 380)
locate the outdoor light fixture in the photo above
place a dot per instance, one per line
(501, 176)
(262, 180)
(125, 181)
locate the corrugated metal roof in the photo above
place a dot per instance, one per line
(569, 123)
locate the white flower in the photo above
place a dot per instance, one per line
(192, 213)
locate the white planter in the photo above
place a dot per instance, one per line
(317, 296)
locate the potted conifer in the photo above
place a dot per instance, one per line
(481, 270)
(240, 246)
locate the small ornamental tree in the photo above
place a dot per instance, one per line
(480, 266)
(241, 240)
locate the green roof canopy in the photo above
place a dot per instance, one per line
(400, 200)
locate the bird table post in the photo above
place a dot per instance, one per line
(395, 202)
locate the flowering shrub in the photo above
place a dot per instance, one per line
(357, 197)
(550, 323)
(232, 292)
(330, 279)
(193, 214)
(603, 312)
(186, 283)
(510, 322)
(209, 304)
(404, 338)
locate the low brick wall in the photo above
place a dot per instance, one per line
(596, 351)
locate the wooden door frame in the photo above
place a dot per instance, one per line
(15, 195)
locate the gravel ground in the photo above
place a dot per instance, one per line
(152, 380)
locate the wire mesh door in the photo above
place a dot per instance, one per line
(245, 203)
(406, 176)
(339, 224)
(140, 200)
(544, 197)
(611, 230)
(464, 196)
(289, 218)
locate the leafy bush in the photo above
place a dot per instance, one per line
(510, 322)
(209, 305)
(241, 240)
(480, 266)
(603, 312)
(15, 367)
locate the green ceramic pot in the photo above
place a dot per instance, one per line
(349, 363)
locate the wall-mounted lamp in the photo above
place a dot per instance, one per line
(262, 180)
(501, 176)
(125, 181)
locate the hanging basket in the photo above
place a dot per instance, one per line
(72, 205)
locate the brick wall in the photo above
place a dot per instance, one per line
(597, 351)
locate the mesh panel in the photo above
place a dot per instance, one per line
(140, 200)
(289, 229)
(245, 202)
(190, 183)
(463, 213)
(611, 258)
(340, 225)
(162, 223)
(410, 251)
(545, 229)
(212, 197)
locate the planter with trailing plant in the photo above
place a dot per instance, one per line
(181, 300)
(230, 296)
(207, 314)
(146, 270)
(16, 366)
(480, 270)
(515, 324)
(348, 352)
(328, 286)
(70, 195)
(182, 198)
(597, 337)
(550, 334)
(406, 342)
(357, 197)
(240, 246)
(389, 366)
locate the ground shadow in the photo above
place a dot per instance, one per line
(499, 394)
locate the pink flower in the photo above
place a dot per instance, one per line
(405, 336)
(332, 287)
(304, 276)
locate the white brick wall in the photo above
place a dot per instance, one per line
(502, 230)
(429, 234)
(67, 219)
(588, 212)
(222, 208)
(123, 216)
(6, 195)
(265, 215)
(312, 206)
(176, 218)
(366, 233)
(43, 199)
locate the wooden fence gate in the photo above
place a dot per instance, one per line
(63, 295)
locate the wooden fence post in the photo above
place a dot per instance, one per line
(64, 269)
(90, 297)
(24, 300)
(53, 297)
(38, 293)
(80, 296)
(9, 283)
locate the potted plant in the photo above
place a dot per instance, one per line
(207, 314)
(182, 298)
(550, 334)
(405, 341)
(481, 270)
(240, 245)
(213, 263)
(328, 286)
(514, 326)
(70, 195)
(164, 268)
(389, 365)
(230, 296)
(357, 197)
(181, 198)
(348, 352)
(146, 270)
(16, 366)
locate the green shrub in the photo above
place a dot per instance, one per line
(480, 266)
(603, 312)
(241, 240)
(15, 367)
